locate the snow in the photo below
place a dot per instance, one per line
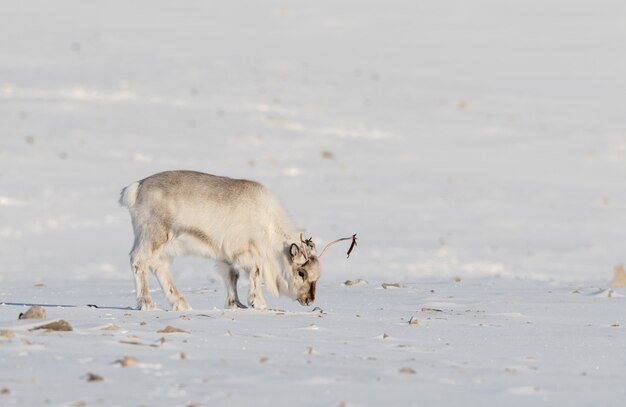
(477, 148)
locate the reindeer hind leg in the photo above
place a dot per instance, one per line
(139, 264)
(160, 268)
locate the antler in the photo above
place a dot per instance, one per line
(302, 243)
(352, 245)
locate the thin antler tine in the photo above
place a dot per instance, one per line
(302, 243)
(353, 238)
(352, 245)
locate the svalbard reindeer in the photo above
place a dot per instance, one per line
(238, 223)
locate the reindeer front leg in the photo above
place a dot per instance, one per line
(255, 296)
(230, 275)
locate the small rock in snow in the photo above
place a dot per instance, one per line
(60, 325)
(354, 282)
(127, 361)
(172, 329)
(619, 279)
(92, 377)
(34, 312)
(387, 285)
(413, 320)
(407, 370)
(7, 333)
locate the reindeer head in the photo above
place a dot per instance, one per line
(305, 268)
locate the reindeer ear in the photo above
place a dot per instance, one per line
(296, 254)
(294, 250)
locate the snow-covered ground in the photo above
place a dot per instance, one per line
(480, 141)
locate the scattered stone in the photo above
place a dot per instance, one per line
(263, 359)
(428, 309)
(142, 323)
(413, 320)
(39, 285)
(60, 325)
(152, 345)
(138, 343)
(111, 327)
(183, 356)
(329, 155)
(7, 333)
(172, 329)
(5, 390)
(619, 279)
(310, 350)
(79, 404)
(355, 282)
(387, 285)
(92, 377)
(385, 336)
(127, 361)
(407, 370)
(34, 312)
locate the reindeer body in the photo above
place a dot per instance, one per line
(238, 223)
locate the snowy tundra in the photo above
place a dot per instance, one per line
(237, 222)
(478, 147)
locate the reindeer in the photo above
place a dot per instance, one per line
(238, 223)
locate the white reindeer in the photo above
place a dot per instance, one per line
(239, 223)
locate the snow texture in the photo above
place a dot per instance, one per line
(477, 148)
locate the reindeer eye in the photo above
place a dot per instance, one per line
(302, 274)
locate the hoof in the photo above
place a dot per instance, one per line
(258, 305)
(182, 305)
(234, 304)
(146, 305)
